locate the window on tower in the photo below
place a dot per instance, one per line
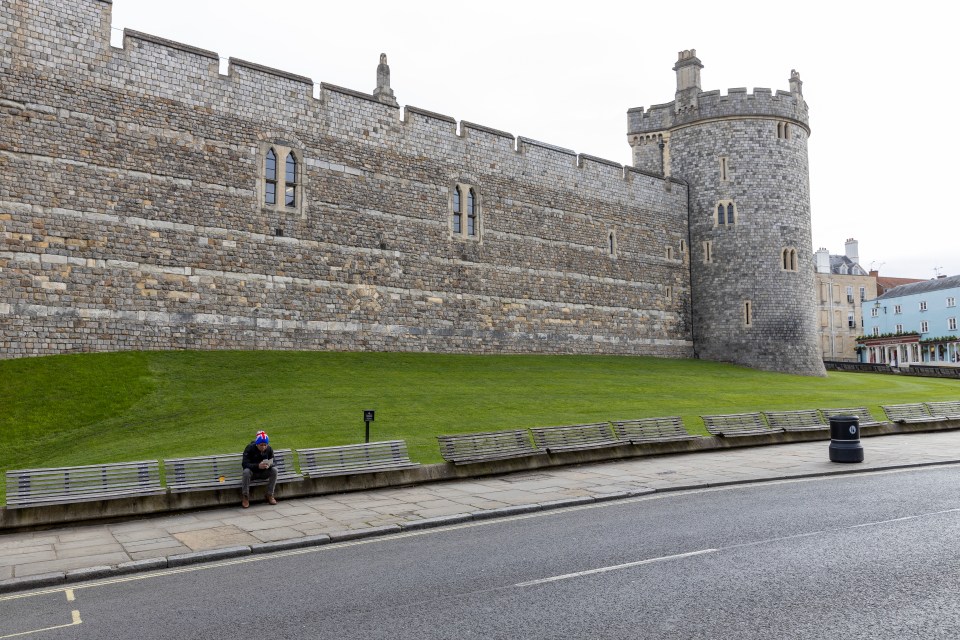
(726, 213)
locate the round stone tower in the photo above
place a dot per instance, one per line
(743, 157)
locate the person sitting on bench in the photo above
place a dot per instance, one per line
(258, 465)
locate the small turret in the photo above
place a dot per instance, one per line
(796, 84)
(383, 92)
(688, 80)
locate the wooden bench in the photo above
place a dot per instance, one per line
(349, 459)
(644, 430)
(573, 437)
(948, 410)
(465, 448)
(223, 471)
(864, 418)
(63, 485)
(737, 424)
(802, 420)
(907, 413)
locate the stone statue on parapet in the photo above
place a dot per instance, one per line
(383, 92)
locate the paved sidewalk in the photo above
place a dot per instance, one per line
(80, 552)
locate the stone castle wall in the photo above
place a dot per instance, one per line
(130, 214)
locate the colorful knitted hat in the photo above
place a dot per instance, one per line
(262, 438)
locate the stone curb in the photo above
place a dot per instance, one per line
(286, 545)
(185, 559)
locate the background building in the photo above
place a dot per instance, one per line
(913, 323)
(841, 286)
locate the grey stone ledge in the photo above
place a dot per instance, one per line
(326, 86)
(611, 163)
(196, 557)
(430, 114)
(504, 512)
(270, 71)
(32, 582)
(163, 42)
(544, 145)
(567, 502)
(148, 564)
(91, 573)
(369, 532)
(286, 545)
(438, 521)
(470, 125)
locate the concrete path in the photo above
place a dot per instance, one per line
(73, 553)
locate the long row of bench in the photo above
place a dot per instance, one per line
(64, 485)
(37, 487)
(467, 448)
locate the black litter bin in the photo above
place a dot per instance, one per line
(845, 439)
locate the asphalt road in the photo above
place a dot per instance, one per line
(866, 556)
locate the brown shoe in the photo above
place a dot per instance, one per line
(245, 503)
(271, 500)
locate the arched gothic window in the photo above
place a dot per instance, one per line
(270, 190)
(465, 201)
(726, 213)
(457, 211)
(282, 179)
(789, 259)
(290, 191)
(471, 213)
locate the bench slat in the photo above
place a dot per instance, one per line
(369, 457)
(645, 430)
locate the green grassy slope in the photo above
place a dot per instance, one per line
(91, 408)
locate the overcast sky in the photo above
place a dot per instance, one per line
(879, 80)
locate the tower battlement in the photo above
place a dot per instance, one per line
(737, 102)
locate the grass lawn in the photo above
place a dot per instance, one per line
(112, 407)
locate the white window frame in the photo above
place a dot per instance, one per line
(924, 327)
(923, 305)
(897, 309)
(874, 312)
(951, 302)
(899, 328)
(951, 324)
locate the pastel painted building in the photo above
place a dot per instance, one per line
(913, 323)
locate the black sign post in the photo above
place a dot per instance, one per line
(368, 418)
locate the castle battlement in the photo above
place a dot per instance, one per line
(736, 103)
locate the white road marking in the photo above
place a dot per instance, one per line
(74, 615)
(615, 567)
(69, 594)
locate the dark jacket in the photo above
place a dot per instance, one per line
(252, 457)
